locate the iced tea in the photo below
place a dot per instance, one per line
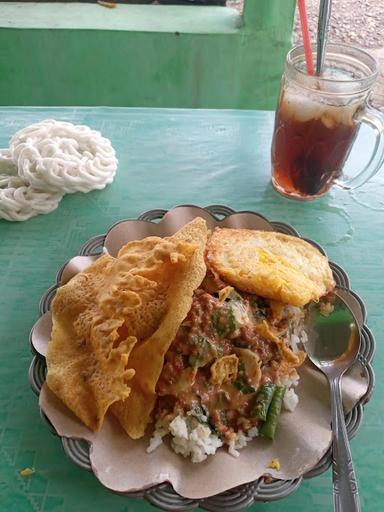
(310, 145)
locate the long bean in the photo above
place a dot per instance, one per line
(269, 427)
(263, 401)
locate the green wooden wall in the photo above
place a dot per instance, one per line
(143, 55)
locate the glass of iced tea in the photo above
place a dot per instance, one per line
(317, 121)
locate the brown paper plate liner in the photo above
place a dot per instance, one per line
(357, 385)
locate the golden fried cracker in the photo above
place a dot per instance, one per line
(85, 369)
(100, 314)
(224, 369)
(147, 359)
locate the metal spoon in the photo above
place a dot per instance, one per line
(333, 344)
(322, 33)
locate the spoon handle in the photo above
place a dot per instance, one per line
(345, 492)
(322, 33)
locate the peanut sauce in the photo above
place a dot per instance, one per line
(209, 332)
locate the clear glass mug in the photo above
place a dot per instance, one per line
(317, 121)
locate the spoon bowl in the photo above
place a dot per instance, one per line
(332, 346)
(333, 336)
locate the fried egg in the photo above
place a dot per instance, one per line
(269, 264)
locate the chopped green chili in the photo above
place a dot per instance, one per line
(205, 353)
(223, 321)
(195, 361)
(259, 308)
(243, 387)
(200, 413)
(235, 296)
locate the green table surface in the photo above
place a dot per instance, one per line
(166, 158)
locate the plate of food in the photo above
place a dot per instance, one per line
(174, 346)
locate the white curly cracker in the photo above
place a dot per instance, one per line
(20, 201)
(7, 165)
(62, 157)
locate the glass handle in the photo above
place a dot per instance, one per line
(375, 120)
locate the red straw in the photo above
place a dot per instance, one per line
(306, 38)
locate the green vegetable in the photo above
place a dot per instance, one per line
(235, 296)
(223, 321)
(204, 351)
(259, 308)
(195, 361)
(213, 427)
(263, 401)
(260, 302)
(219, 350)
(242, 386)
(201, 341)
(269, 427)
(200, 413)
(219, 401)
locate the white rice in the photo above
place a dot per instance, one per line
(196, 440)
(295, 316)
(303, 337)
(241, 441)
(178, 428)
(155, 441)
(294, 342)
(298, 338)
(290, 400)
(193, 439)
(189, 438)
(290, 380)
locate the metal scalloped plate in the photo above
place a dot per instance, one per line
(263, 489)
